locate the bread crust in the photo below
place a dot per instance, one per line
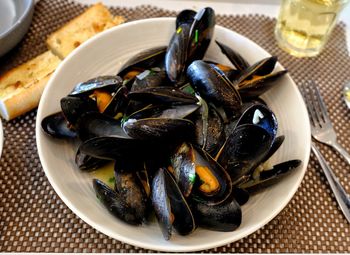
(22, 86)
(94, 20)
(25, 99)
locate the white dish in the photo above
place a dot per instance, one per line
(105, 54)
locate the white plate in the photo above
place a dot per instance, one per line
(105, 54)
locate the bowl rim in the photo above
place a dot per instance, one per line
(29, 5)
(138, 243)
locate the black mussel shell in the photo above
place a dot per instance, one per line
(235, 58)
(176, 54)
(213, 184)
(184, 169)
(109, 83)
(209, 129)
(88, 163)
(144, 60)
(57, 126)
(260, 84)
(260, 68)
(185, 17)
(158, 128)
(95, 124)
(274, 147)
(201, 33)
(244, 149)
(261, 115)
(115, 203)
(264, 178)
(114, 147)
(163, 111)
(214, 87)
(74, 107)
(225, 216)
(118, 102)
(170, 206)
(241, 195)
(150, 79)
(130, 187)
(163, 95)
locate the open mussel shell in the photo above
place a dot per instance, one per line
(235, 58)
(144, 60)
(213, 184)
(74, 107)
(95, 124)
(158, 128)
(170, 206)
(261, 115)
(244, 149)
(262, 178)
(130, 187)
(225, 216)
(108, 82)
(118, 102)
(57, 126)
(258, 85)
(163, 95)
(260, 68)
(214, 86)
(115, 203)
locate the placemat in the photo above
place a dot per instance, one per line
(34, 219)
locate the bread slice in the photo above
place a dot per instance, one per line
(94, 20)
(22, 87)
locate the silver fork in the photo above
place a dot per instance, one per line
(321, 126)
(339, 192)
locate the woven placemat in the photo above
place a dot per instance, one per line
(34, 219)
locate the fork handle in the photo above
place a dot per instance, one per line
(340, 194)
(342, 151)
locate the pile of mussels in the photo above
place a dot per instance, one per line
(189, 137)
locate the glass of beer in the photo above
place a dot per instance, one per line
(303, 26)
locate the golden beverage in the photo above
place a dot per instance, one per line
(303, 26)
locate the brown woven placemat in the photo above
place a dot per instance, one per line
(34, 219)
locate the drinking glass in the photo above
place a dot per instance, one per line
(304, 26)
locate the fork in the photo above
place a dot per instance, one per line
(321, 127)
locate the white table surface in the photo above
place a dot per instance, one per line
(267, 7)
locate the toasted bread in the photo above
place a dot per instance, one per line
(21, 87)
(94, 20)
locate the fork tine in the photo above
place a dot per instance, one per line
(321, 103)
(307, 94)
(319, 120)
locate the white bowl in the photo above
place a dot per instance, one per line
(15, 19)
(104, 54)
